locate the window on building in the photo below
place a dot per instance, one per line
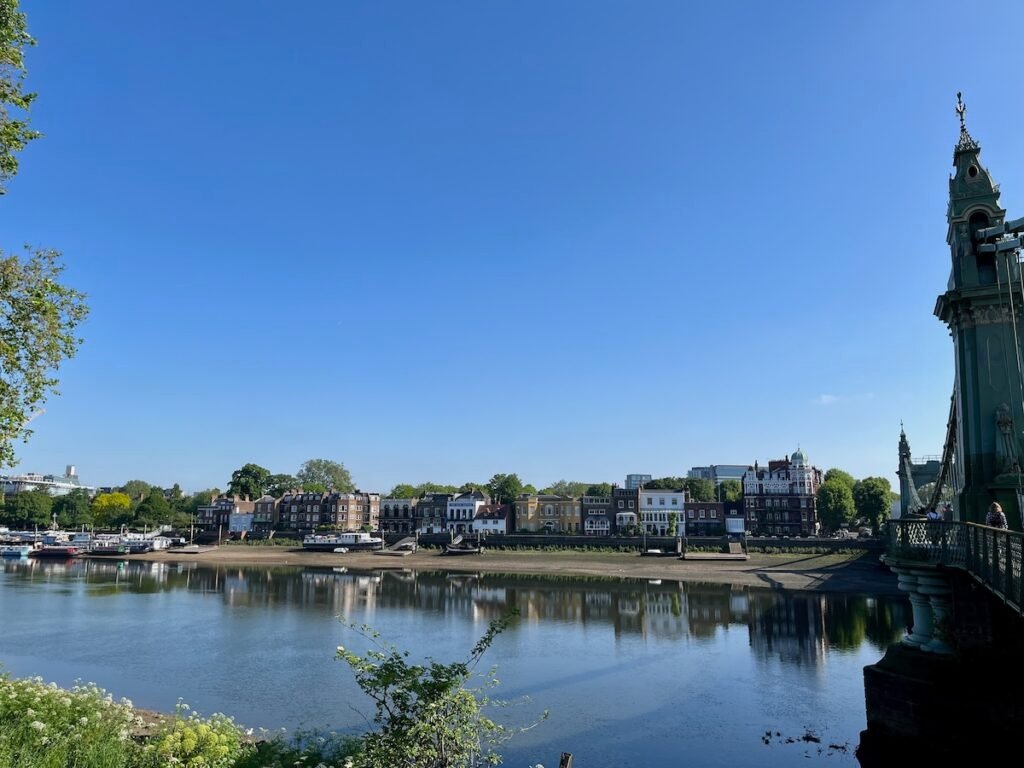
(703, 514)
(630, 503)
(650, 501)
(714, 514)
(690, 513)
(675, 501)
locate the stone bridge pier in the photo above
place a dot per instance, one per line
(953, 688)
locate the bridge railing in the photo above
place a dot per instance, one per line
(992, 555)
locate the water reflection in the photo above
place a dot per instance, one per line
(794, 627)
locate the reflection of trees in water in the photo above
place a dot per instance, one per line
(797, 625)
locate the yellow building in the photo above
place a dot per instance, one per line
(558, 514)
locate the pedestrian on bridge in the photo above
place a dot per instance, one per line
(996, 518)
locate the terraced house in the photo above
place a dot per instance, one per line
(558, 514)
(398, 515)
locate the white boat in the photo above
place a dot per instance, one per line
(331, 542)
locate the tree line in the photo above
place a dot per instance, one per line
(844, 501)
(138, 504)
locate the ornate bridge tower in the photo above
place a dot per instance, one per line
(983, 307)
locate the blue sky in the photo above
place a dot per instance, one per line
(437, 241)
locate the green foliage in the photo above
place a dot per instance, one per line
(193, 742)
(37, 333)
(666, 484)
(252, 480)
(424, 488)
(426, 715)
(599, 489)
(136, 490)
(279, 485)
(700, 488)
(73, 509)
(314, 488)
(505, 489)
(330, 474)
(154, 509)
(15, 133)
(529, 489)
(835, 504)
(570, 488)
(45, 726)
(730, 490)
(673, 524)
(402, 491)
(29, 508)
(872, 498)
(844, 477)
(111, 509)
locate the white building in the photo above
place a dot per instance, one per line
(55, 485)
(462, 511)
(492, 519)
(782, 499)
(657, 506)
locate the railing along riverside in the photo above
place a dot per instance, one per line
(991, 555)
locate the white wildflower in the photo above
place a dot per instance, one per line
(37, 725)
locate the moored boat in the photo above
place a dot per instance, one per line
(462, 549)
(55, 551)
(331, 542)
(16, 550)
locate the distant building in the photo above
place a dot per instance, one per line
(635, 481)
(55, 485)
(657, 507)
(782, 499)
(625, 507)
(398, 515)
(493, 518)
(303, 512)
(716, 473)
(705, 518)
(218, 514)
(264, 516)
(598, 515)
(548, 512)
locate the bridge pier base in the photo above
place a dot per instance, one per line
(949, 692)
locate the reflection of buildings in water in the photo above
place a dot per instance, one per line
(789, 627)
(663, 615)
(709, 608)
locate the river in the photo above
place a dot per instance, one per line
(633, 673)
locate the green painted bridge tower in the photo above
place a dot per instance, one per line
(983, 307)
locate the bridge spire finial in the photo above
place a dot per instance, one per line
(966, 142)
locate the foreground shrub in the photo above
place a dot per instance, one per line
(44, 726)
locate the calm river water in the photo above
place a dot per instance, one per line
(634, 673)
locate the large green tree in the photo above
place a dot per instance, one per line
(424, 488)
(154, 509)
(279, 485)
(29, 508)
(329, 474)
(136, 490)
(38, 315)
(110, 510)
(844, 477)
(835, 504)
(872, 498)
(73, 509)
(599, 489)
(402, 491)
(665, 484)
(15, 101)
(700, 488)
(730, 490)
(252, 480)
(505, 489)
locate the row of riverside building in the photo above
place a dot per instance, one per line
(780, 499)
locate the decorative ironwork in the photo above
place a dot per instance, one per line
(991, 555)
(967, 142)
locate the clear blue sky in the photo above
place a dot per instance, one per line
(437, 241)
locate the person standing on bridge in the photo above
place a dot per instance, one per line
(996, 518)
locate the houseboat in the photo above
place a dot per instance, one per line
(16, 550)
(55, 552)
(329, 542)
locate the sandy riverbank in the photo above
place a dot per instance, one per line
(860, 573)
